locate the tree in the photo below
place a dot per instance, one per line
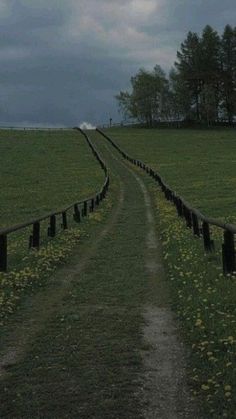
(228, 75)
(179, 97)
(201, 87)
(188, 69)
(210, 74)
(124, 101)
(147, 100)
(198, 67)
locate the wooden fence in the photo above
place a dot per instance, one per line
(80, 209)
(195, 220)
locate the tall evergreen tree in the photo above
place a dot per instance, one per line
(188, 67)
(228, 75)
(179, 97)
(210, 74)
(201, 87)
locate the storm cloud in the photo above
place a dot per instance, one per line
(63, 61)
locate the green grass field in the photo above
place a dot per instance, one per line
(41, 172)
(199, 164)
(44, 171)
(97, 326)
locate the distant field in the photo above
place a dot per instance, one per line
(43, 171)
(199, 164)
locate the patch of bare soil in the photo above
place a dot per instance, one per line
(166, 393)
(165, 389)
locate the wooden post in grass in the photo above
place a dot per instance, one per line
(228, 252)
(52, 227)
(64, 221)
(85, 209)
(208, 244)
(180, 206)
(92, 205)
(3, 253)
(36, 235)
(196, 229)
(187, 216)
(77, 217)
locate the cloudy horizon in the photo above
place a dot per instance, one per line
(63, 62)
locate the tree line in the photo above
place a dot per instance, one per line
(200, 87)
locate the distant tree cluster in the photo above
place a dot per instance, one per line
(201, 86)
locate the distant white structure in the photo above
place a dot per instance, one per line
(86, 125)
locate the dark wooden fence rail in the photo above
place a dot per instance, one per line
(195, 220)
(80, 209)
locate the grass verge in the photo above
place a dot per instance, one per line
(50, 170)
(43, 171)
(85, 359)
(204, 301)
(198, 164)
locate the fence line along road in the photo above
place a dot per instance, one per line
(195, 220)
(80, 209)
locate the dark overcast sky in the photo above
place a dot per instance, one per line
(62, 61)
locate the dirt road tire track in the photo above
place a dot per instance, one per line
(166, 393)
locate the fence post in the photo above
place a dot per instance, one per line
(92, 205)
(188, 217)
(52, 227)
(3, 253)
(196, 229)
(77, 214)
(85, 209)
(64, 221)
(208, 243)
(228, 252)
(36, 235)
(179, 207)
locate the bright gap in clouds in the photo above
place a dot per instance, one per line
(143, 8)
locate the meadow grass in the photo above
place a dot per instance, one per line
(86, 345)
(43, 171)
(201, 296)
(198, 164)
(40, 172)
(204, 301)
